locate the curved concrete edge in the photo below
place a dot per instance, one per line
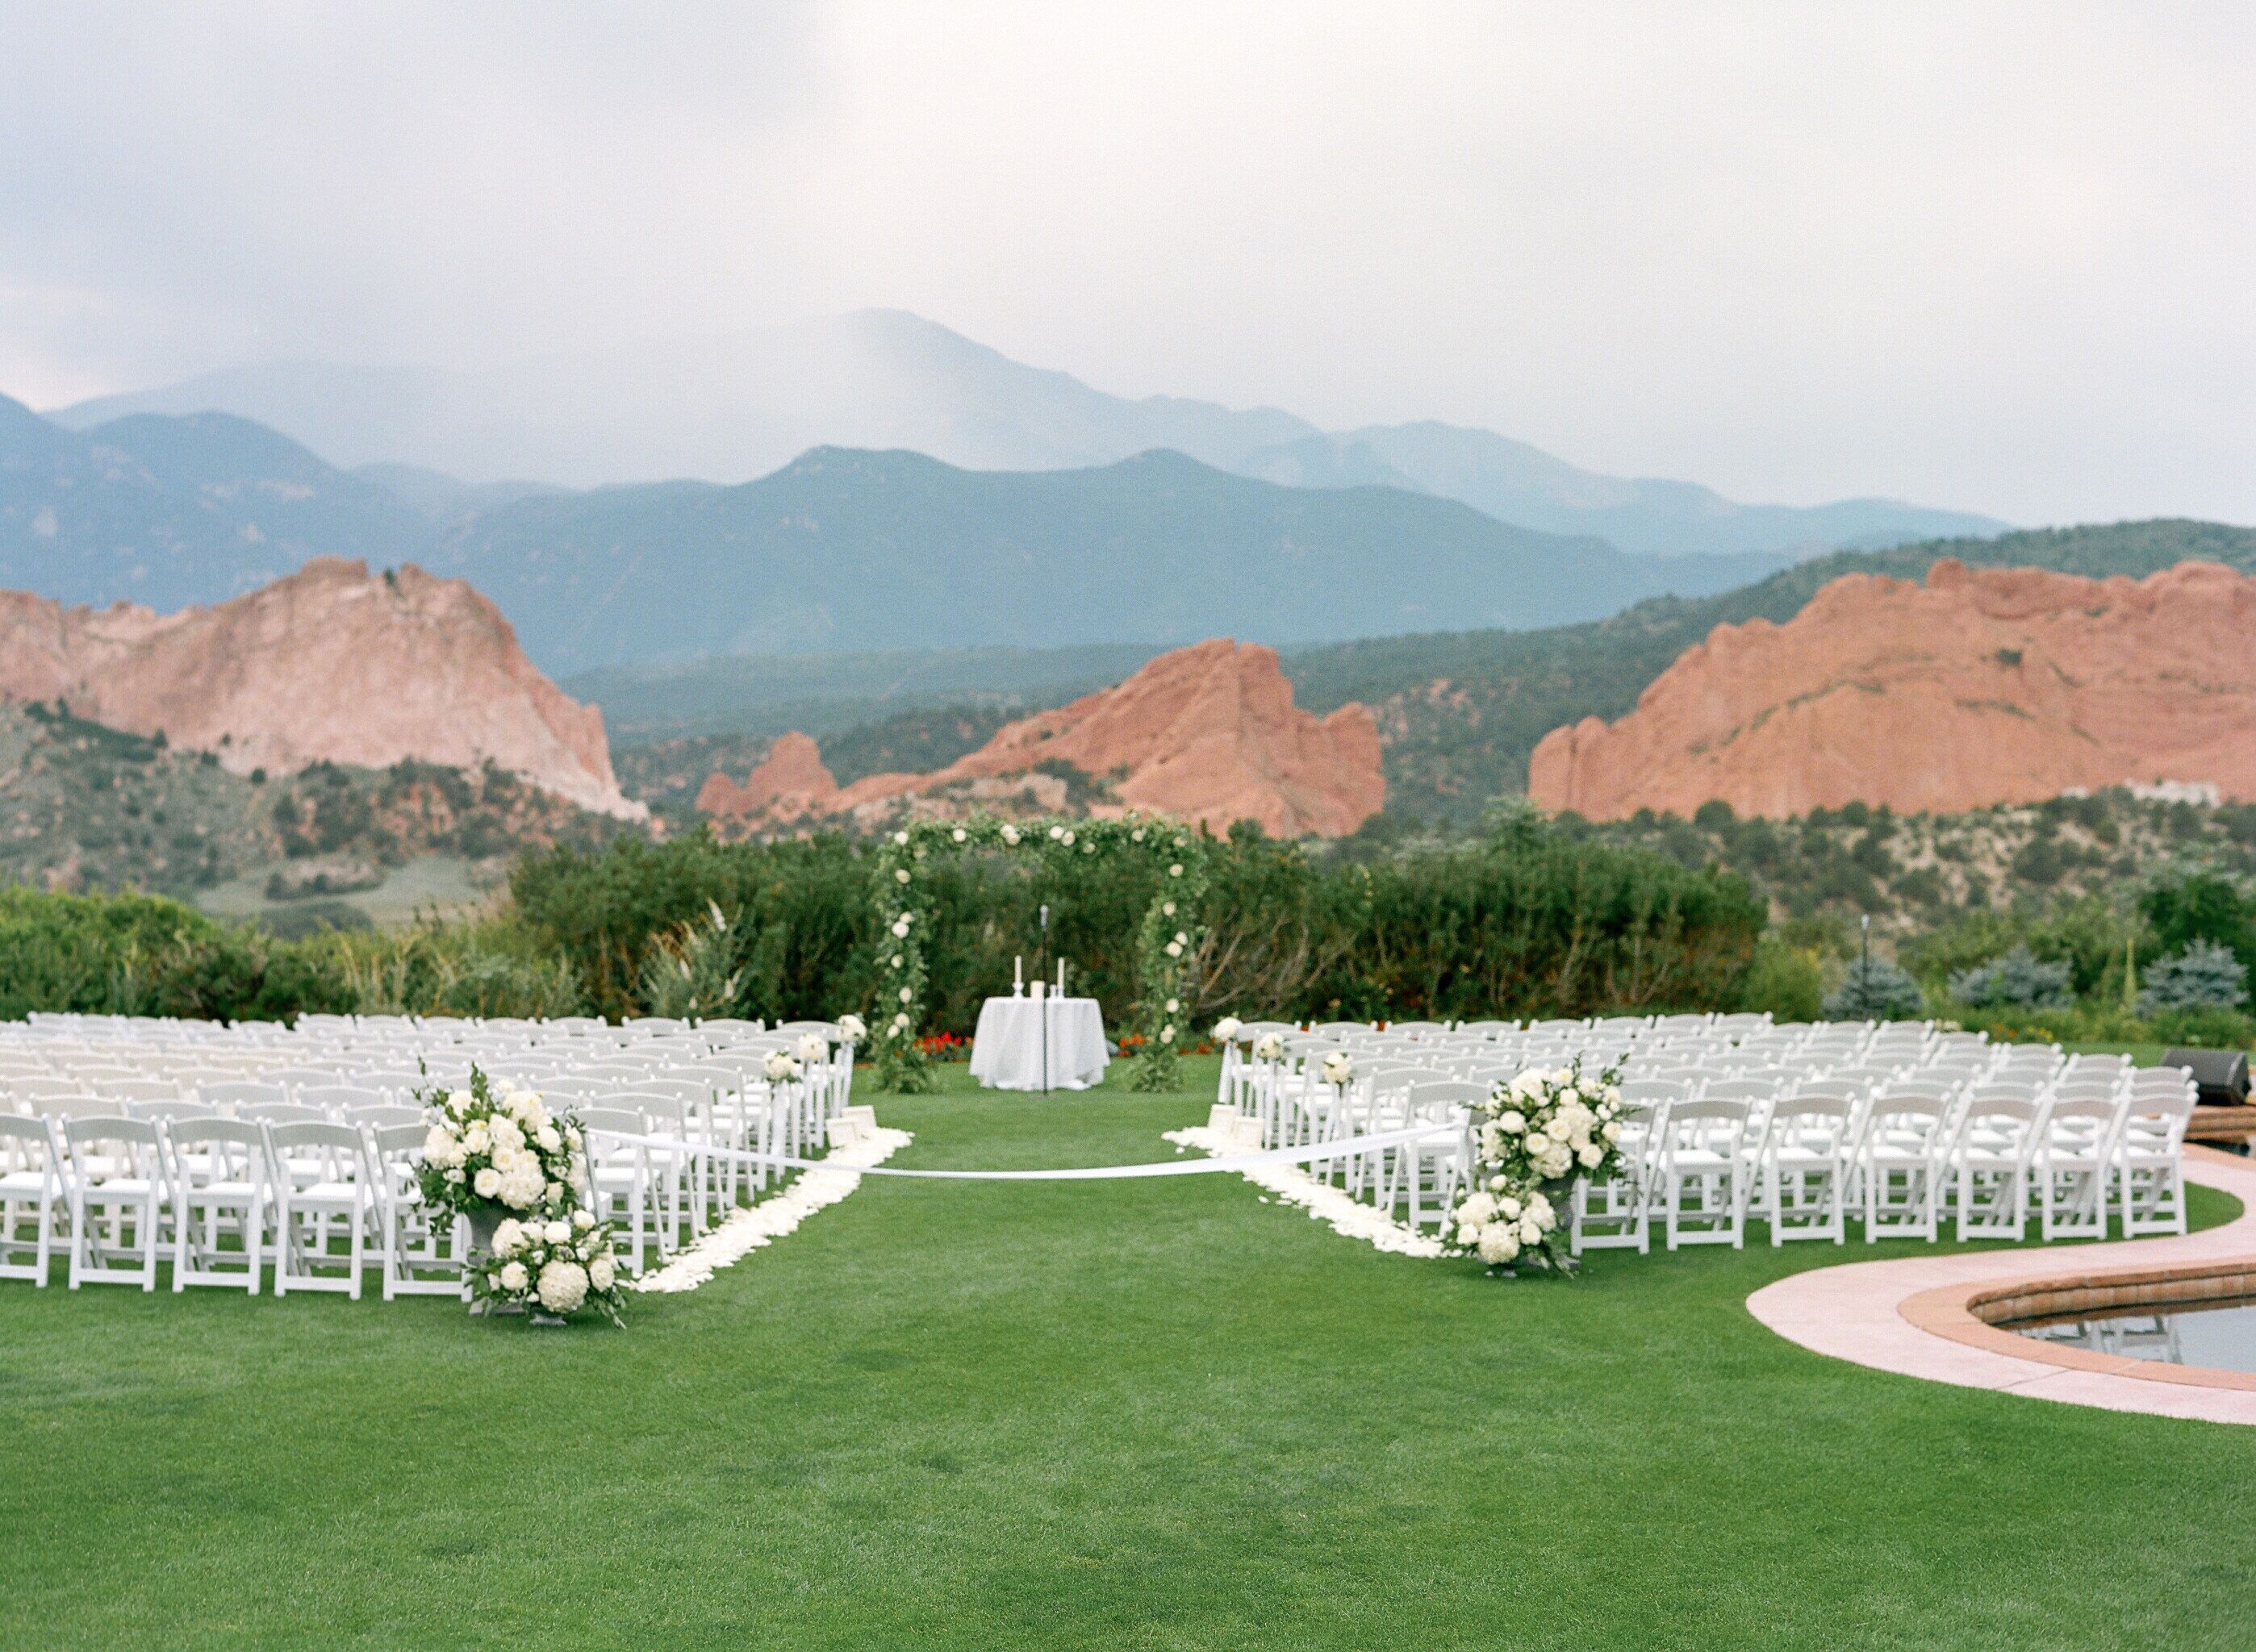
(1912, 1315)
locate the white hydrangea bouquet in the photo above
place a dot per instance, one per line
(1537, 1134)
(497, 1158)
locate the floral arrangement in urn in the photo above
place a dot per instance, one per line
(497, 1158)
(1537, 1133)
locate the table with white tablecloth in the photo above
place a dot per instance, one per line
(1006, 1052)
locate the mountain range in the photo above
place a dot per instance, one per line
(875, 549)
(737, 407)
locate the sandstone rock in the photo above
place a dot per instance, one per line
(330, 664)
(2000, 685)
(1208, 733)
(789, 784)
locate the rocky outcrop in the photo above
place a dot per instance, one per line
(330, 663)
(790, 783)
(1208, 733)
(2003, 686)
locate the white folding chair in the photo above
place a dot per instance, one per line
(1805, 1157)
(342, 1199)
(1703, 1174)
(1991, 1157)
(1614, 1213)
(416, 1261)
(622, 1187)
(114, 1182)
(33, 1210)
(222, 1185)
(2074, 1158)
(2150, 1176)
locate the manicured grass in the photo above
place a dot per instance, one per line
(1150, 1413)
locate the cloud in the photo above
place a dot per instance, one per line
(1991, 255)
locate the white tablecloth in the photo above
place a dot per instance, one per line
(1006, 1052)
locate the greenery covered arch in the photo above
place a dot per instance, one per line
(1168, 939)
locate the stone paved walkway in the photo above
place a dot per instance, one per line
(1908, 1315)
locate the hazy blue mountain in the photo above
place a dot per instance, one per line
(1514, 482)
(736, 407)
(442, 498)
(851, 549)
(170, 512)
(727, 409)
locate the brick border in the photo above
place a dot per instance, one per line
(1973, 1317)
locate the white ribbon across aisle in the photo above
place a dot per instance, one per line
(1347, 1216)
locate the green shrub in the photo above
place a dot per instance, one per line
(2014, 980)
(1874, 990)
(2205, 976)
(1784, 980)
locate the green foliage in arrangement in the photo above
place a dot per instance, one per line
(1874, 990)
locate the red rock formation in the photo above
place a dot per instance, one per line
(790, 783)
(326, 664)
(1208, 733)
(2003, 686)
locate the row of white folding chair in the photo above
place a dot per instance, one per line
(286, 1191)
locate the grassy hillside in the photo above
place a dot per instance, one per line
(86, 807)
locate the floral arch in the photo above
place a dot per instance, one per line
(1166, 940)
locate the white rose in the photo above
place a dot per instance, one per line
(1512, 1124)
(853, 1026)
(906, 995)
(550, 1141)
(1613, 1096)
(1538, 1144)
(1269, 1047)
(1009, 834)
(581, 1220)
(1066, 840)
(453, 1179)
(476, 1139)
(603, 1273)
(1530, 1233)
(488, 1183)
(512, 1278)
(1477, 1210)
(1509, 1209)
(1497, 1183)
(460, 1101)
(902, 875)
(901, 838)
(1591, 1156)
(812, 1047)
(1499, 1244)
(1556, 1163)
(1167, 1033)
(1612, 1132)
(1056, 832)
(508, 1235)
(900, 927)
(1174, 949)
(959, 834)
(781, 1068)
(1167, 909)
(1173, 1004)
(1469, 1233)
(1226, 1028)
(1527, 1084)
(894, 962)
(557, 1233)
(437, 1144)
(1184, 937)
(1176, 871)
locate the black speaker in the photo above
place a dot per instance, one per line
(2220, 1076)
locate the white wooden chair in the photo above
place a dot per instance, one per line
(1804, 1163)
(2150, 1174)
(114, 1182)
(1991, 1156)
(1615, 1213)
(341, 1200)
(2073, 1163)
(1702, 1174)
(416, 1261)
(222, 1187)
(33, 1210)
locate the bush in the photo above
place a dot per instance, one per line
(1874, 990)
(2205, 976)
(1785, 980)
(2014, 980)
(2202, 1028)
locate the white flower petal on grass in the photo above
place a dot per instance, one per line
(1350, 1218)
(763, 1224)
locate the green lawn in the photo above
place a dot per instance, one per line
(1150, 1414)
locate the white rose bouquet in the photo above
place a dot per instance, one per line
(495, 1153)
(782, 1067)
(1226, 1028)
(1268, 1047)
(557, 1267)
(1339, 1068)
(854, 1026)
(1536, 1134)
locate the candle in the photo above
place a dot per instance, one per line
(1061, 988)
(1019, 970)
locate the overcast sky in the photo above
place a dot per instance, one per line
(1996, 256)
